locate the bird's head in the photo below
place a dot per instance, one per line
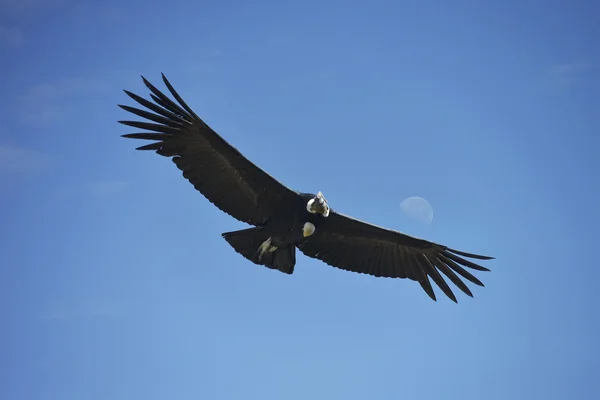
(318, 205)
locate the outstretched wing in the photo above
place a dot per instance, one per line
(215, 168)
(353, 245)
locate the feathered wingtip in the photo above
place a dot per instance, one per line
(449, 263)
(471, 255)
(166, 116)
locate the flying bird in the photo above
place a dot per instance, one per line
(283, 219)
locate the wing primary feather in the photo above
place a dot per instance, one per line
(420, 275)
(152, 146)
(470, 255)
(169, 105)
(146, 136)
(464, 262)
(451, 275)
(151, 127)
(155, 90)
(178, 97)
(426, 285)
(437, 278)
(414, 267)
(460, 270)
(148, 104)
(153, 117)
(162, 99)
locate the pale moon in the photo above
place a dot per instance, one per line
(417, 208)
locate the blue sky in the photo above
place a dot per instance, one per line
(116, 283)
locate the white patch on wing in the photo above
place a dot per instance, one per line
(308, 229)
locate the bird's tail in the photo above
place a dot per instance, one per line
(259, 247)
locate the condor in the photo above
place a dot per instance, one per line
(284, 219)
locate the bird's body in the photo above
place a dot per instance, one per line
(283, 219)
(273, 244)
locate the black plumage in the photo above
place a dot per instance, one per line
(286, 219)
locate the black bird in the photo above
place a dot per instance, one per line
(285, 219)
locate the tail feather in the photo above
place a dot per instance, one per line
(256, 245)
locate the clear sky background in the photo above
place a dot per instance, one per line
(116, 284)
